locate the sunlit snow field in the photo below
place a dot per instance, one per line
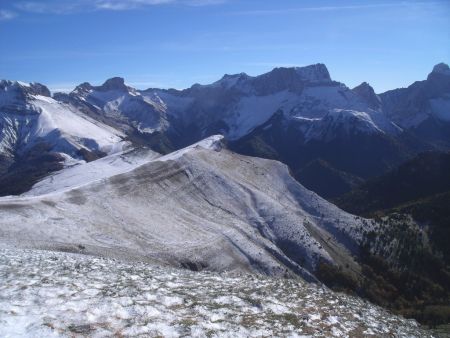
(46, 294)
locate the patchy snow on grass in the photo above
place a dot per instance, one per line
(55, 294)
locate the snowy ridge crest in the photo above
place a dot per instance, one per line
(210, 143)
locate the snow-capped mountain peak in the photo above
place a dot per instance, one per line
(16, 92)
(119, 105)
(294, 76)
(231, 80)
(234, 76)
(114, 83)
(314, 73)
(366, 92)
(82, 88)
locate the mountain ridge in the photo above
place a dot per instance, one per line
(316, 113)
(199, 194)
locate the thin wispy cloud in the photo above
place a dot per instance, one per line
(332, 8)
(53, 7)
(6, 15)
(133, 4)
(68, 7)
(120, 5)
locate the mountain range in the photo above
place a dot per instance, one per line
(323, 130)
(242, 174)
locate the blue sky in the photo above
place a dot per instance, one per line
(175, 43)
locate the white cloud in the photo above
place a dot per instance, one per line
(119, 5)
(74, 6)
(132, 4)
(6, 15)
(53, 7)
(334, 8)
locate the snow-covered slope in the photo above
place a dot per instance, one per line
(202, 207)
(28, 116)
(39, 135)
(340, 123)
(81, 173)
(50, 294)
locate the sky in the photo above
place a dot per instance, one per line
(176, 43)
